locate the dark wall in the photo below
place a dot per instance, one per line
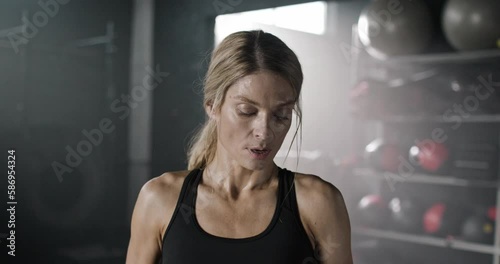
(48, 97)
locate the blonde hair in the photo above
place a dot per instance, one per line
(238, 55)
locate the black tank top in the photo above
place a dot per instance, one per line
(284, 241)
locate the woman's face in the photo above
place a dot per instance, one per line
(254, 119)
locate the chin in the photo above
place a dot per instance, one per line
(257, 165)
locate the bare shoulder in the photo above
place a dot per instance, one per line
(159, 190)
(166, 188)
(318, 201)
(313, 189)
(159, 196)
(165, 183)
(324, 214)
(152, 213)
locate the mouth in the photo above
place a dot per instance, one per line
(259, 153)
(256, 150)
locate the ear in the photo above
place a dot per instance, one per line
(210, 111)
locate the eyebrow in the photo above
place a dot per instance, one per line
(247, 100)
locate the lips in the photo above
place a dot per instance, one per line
(259, 153)
(259, 149)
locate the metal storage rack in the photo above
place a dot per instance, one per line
(445, 180)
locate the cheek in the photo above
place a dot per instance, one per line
(234, 127)
(235, 122)
(281, 129)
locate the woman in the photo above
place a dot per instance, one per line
(234, 204)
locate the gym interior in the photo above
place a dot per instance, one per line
(401, 112)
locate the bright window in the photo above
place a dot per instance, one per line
(309, 17)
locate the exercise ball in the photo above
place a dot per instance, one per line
(383, 155)
(478, 228)
(390, 28)
(372, 210)
(406, 214)
(444, 219)
(472, 25)
(429, 155)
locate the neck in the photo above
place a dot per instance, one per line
(234, 181)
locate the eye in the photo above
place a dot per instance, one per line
(245, 110)
(245, 113)
(281, 117)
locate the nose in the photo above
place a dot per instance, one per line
(262, 129)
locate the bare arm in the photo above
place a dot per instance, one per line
(145, 238)
(329, 222)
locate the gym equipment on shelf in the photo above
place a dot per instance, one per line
(372, 210)
(472, 25)
(389, 29)
(406, 214)
(480, 226)
(444, 219)
(429, 155)
(383, 155)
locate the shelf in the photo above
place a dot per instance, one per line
(362, 63)
(424, 178)
(449, 57)
(493, 118)
(426, 240)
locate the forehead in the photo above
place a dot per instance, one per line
(263, 88)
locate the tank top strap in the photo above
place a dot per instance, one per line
(288, 191)
(189, 188)
(286, 195)
(291, 205)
